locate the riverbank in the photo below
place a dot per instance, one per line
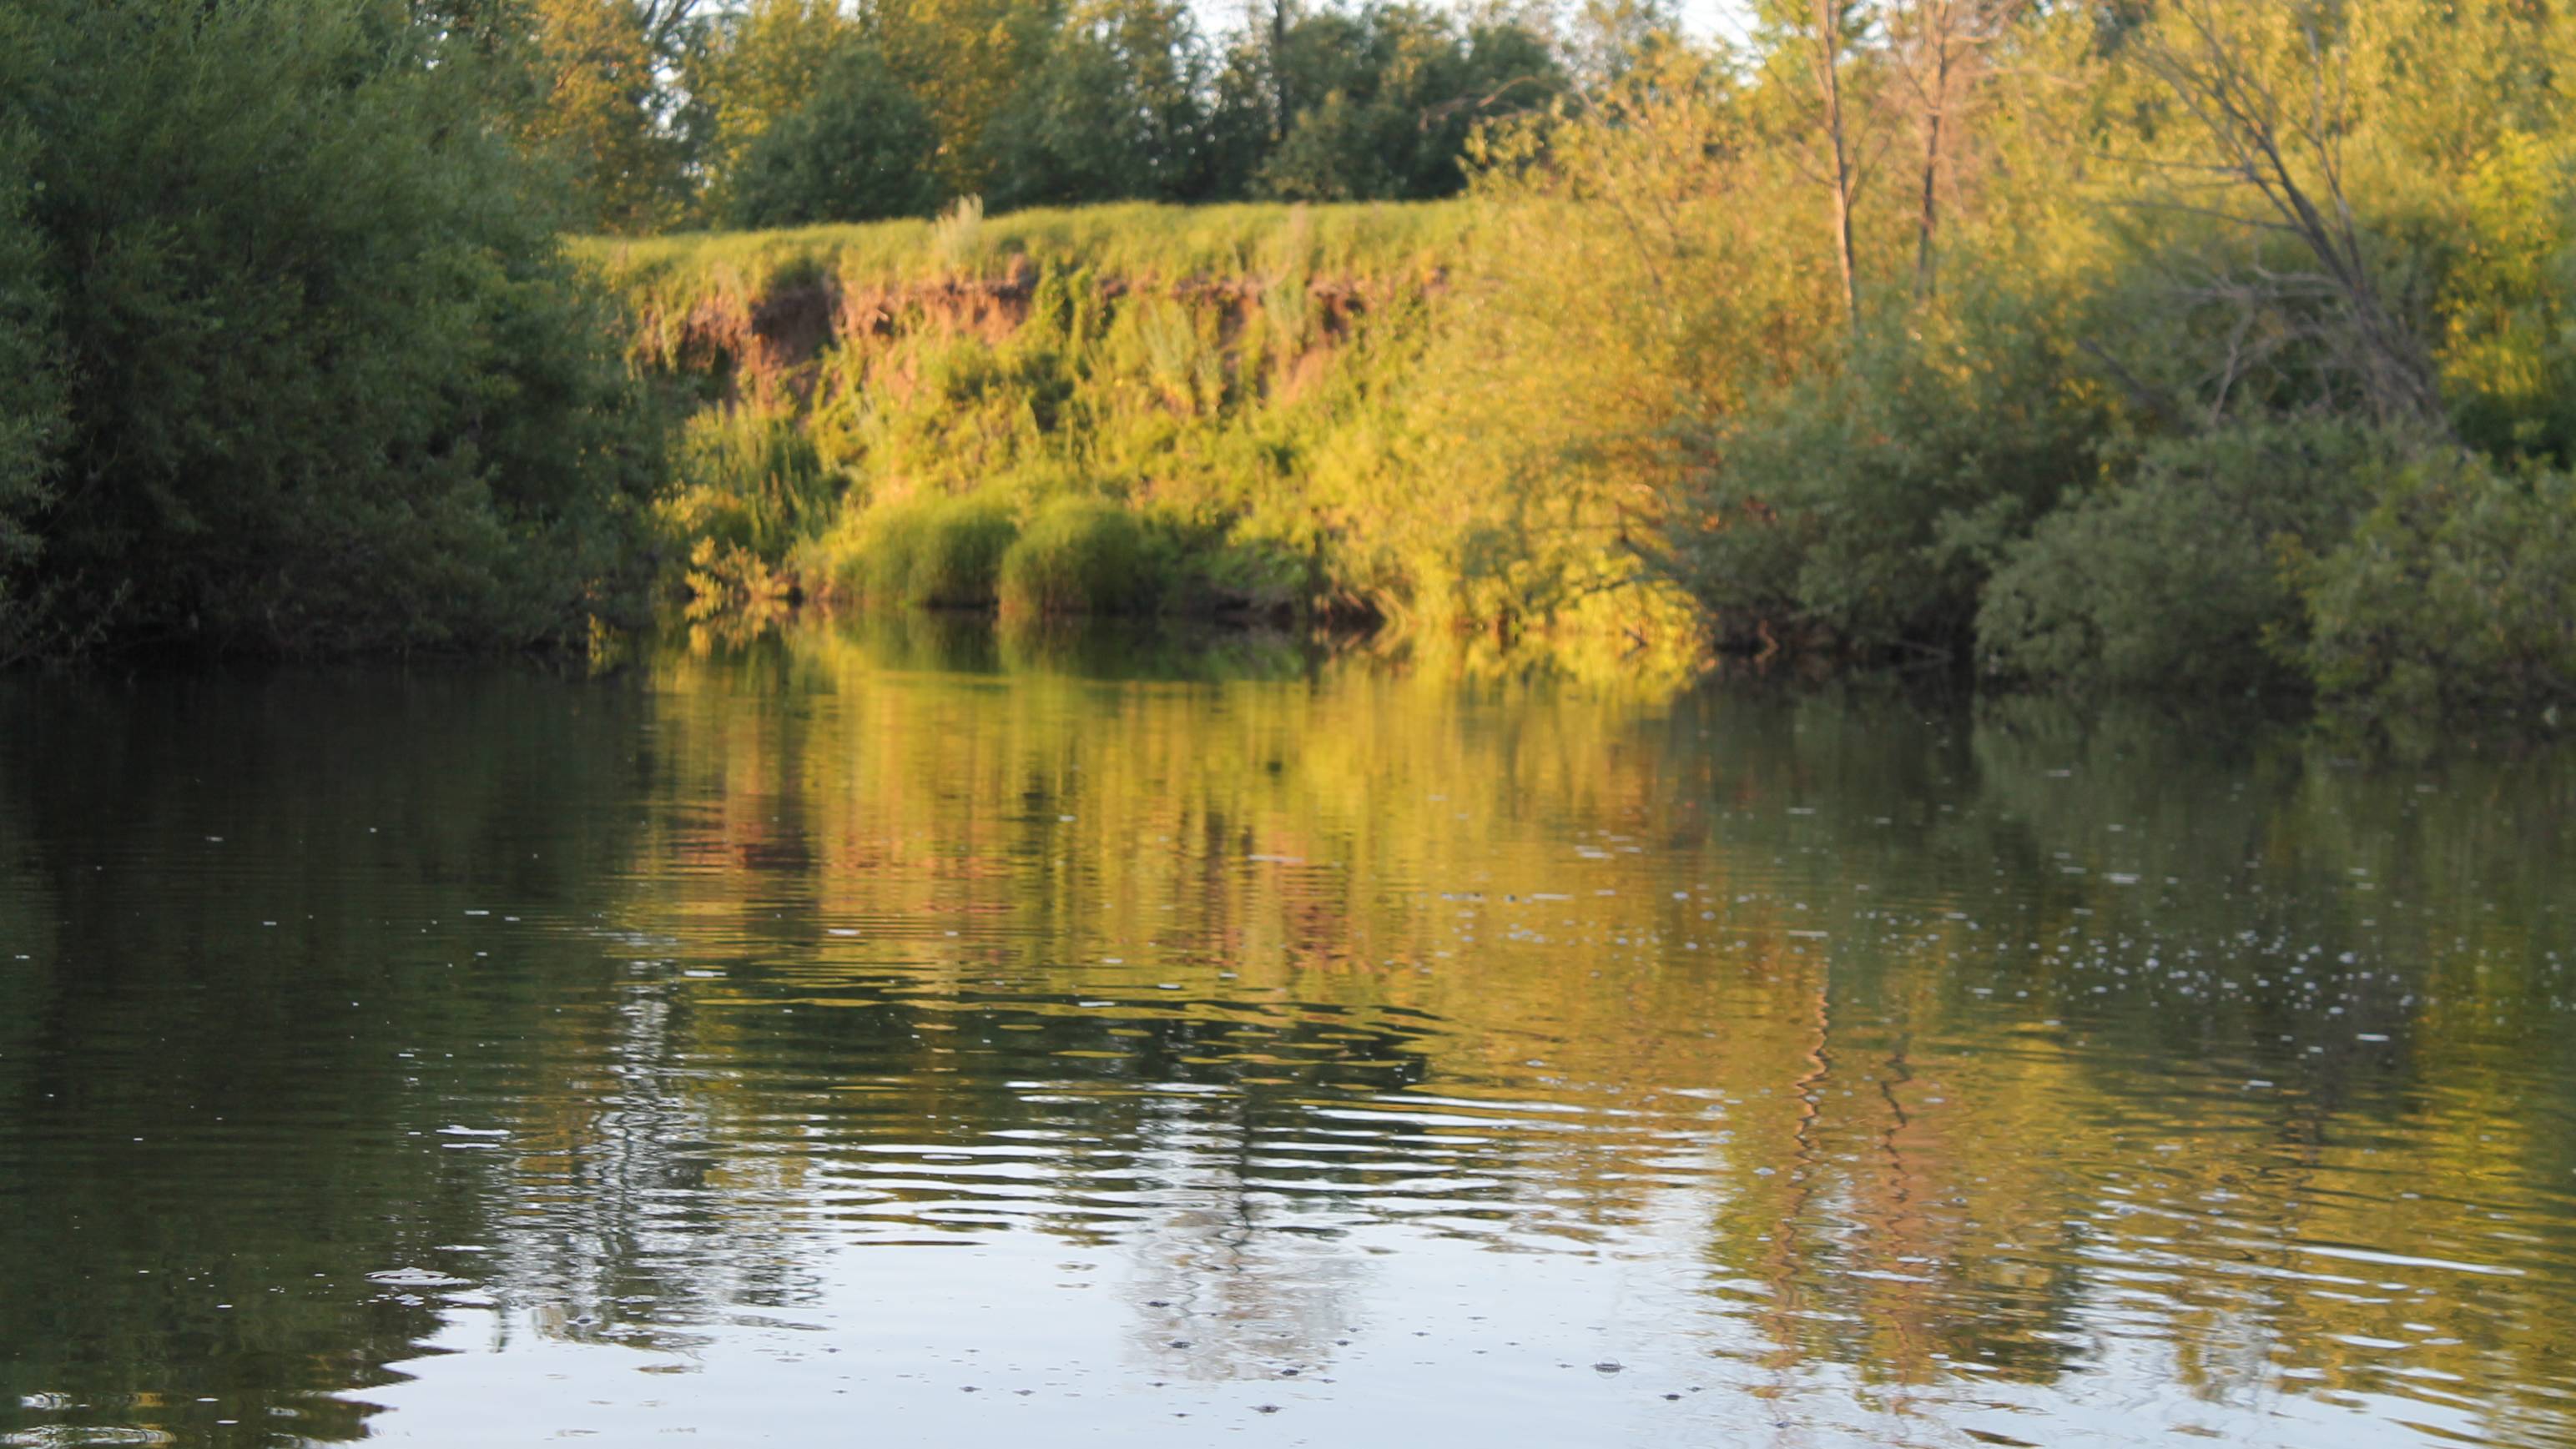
(1422, 416)
(2066, 425)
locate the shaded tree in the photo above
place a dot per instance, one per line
(964, 59)
(758, 65)
(603, 113)
(31, 406)
(860, 148)
(1942, 49)
(1387, 96)
(1116, 110)
(331, 381)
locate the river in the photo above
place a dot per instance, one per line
(895, 1034)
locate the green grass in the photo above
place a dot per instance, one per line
(924, 553)
(1079, 556)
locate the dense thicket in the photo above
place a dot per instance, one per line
(295, 361)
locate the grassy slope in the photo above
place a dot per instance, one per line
(1222, 371)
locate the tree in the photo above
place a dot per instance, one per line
(331, 381)
(964, 59)
(2282, 151)
(758, 66)
(1832, 37)
(602, 110)
(31, 406)
(1818, 42)
(1942, 49)
(1608, 39)
(1388, 97)
(860, 148)
(1114, 111)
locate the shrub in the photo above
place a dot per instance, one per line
(1079, 556)
(1872, 500)
(1388, 96)
(957, 237)
(2173, 579)
(1113, 110)
(958, 557)
(2456, 593)
(877, 566)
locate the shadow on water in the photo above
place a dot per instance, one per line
(1119, 1026)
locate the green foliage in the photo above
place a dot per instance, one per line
(2172, 580)
(2048, 382)
(1379, 102)
(1079, 556)
(671, 279)
(800, 111)
(965, 59)
(957, 554)
(332, 382)
(2455, 596)
(600, 112)
(31, 406)
(937, 552)
(1869, 500)
(2509, 354)
(759, 64)
(1619, 300)
(1208, 406)
(1115, 110)
(750, 480)
(1646, 358)
(858, 148)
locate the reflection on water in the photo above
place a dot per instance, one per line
(992, 1039)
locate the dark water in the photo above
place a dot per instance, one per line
(923, 1040)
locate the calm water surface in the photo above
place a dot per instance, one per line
(906, 1038)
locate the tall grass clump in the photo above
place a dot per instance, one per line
(957, 237)
(751, 479)
(1080, 556)
(939, 553)
(957, 556)
(751, 486)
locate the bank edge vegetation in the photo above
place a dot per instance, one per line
(2196, 346)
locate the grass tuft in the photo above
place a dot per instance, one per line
(1080, 556)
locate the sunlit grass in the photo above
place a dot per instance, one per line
(1141, 242)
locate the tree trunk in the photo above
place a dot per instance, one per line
(2255, 137)
(1829, 78)
(1927, 220)
(1280, 117)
